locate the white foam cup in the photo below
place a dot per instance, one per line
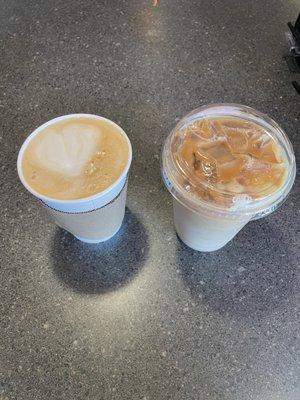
(92, 219)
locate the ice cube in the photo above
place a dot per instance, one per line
(229, 170)
(204, 130)
(237, 123)
(205, 166)
(265, 148)
(237, 140)
(220, 151)
(235, 187)
(187, 152)
(262, 178)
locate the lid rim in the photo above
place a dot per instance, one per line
(209, 207)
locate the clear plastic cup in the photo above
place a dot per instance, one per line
(207, 226)
(92, 219)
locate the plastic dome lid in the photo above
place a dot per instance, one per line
(228, 159)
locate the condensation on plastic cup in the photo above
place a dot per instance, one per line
(205, 226)
(73, 215)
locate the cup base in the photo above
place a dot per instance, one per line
(201, 248)
(95, 241)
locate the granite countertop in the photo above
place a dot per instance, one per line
(143, 317)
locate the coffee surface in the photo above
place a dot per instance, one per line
(75, 158)
(226, 159)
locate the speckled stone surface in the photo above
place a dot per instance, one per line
(143, 317)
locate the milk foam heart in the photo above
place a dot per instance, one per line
(69, 150)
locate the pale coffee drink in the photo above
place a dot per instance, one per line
(75, 158)
(227, 160)
(78, 165)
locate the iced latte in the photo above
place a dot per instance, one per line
(225, 165)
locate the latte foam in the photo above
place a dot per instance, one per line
(75, 158)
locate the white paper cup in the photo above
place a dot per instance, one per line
(204, 226)
(92, 219)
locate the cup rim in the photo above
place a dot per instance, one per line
(52, 121)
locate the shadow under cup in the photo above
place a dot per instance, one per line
(93, 219)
